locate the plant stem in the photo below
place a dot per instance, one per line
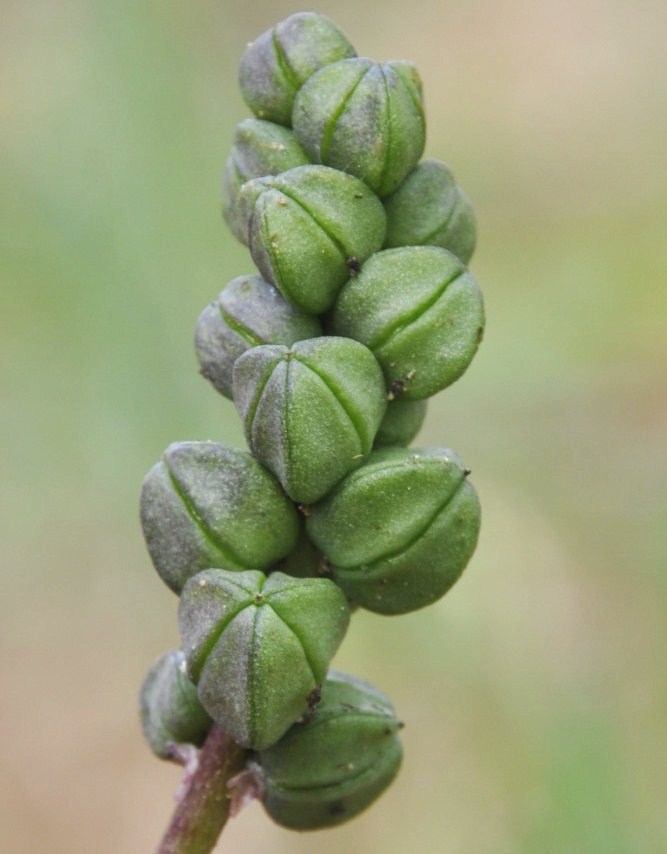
(204, 806)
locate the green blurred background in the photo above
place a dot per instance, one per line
(534, 694)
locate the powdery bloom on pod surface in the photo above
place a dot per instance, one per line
(259, 648)
(206, 504)
(279, 61)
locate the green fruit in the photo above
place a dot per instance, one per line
(276, 65)
(334, 764)
(171, 714)
(401, 423)
(260, 148)
(206, 504)
(364, 118)
(311, 411)
(249, 312)
(258, 649)
(398, 531)
(421, 313)
(308, 231)
(429, 209)
(305, 561)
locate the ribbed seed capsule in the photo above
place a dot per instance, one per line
(401, 423)
(421, 313)
(260, 148)
(311, 411)
(258, 649)
(206, 504)
(332, 766)
(249, 312)
(398, 531)
(365, 118)
(276, 65)
(429, 209)
(171, 714)
(309, 229)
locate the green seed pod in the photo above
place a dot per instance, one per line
(276, 65)
(421, 313)
(258, 649)
(171, 714)
(364, 118)
(400, 530)
(310, 412)
(401, 423)
(429, 209)
(260, 148)
(206, 504)
(305, 561)
(308, 231)
(334, 764)
(248, 313)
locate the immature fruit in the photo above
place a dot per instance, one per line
(401, 423)
(308, 231)
(398, 531)
(260, 148)
(305, 561)
(364, 118)
(206, 504)
(335, 763)
(171, 714)
(421, 313)
(258, 649)
(277, 63)
(429, 209)
(311, 411)
(248, 313)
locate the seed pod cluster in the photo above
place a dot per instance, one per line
(363, 309)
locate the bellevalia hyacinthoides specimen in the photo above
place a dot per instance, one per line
(364, 309)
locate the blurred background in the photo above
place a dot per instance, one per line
(534, 694)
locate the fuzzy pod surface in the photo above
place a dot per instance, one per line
(400, 530)
(309, 229)
(329, 768)
(208, 505)
(258, 648)
(430, 209)
(248, 312)
(420, 311)
(275, 66)
(171, 714)
(401, 423)
(260, 148)
(365, 118)
(311, 411)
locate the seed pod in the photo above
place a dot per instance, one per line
(206, 504)
(305, 561)
(171, 714)
(310, 412)
(330, 767)
(278, 63)
(398, 531)
(429, 209)
(421, 313)
(260, 148)
(258, 649)
(309, 229)
(364, 118)
(248, 313)
(401, 423)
